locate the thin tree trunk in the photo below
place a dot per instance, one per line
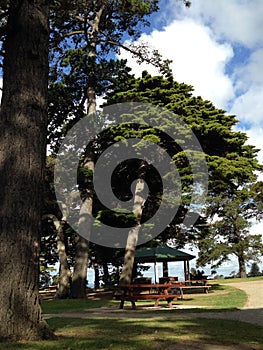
(106, 275)
(82, 247)
(23, 125)
(64, 282)
(79, 278)
(97, 276)
(139, 200)
(242, 266)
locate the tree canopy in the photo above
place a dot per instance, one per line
(84, 38)
(232, 166)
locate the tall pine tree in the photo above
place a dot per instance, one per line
(231, 161)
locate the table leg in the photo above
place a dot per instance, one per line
(156, 304)
(121, 303)
(133, 305)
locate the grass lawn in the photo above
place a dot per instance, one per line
(219, 298)
(56, 306)
(143, 334)
(233, 280)
(149, 332)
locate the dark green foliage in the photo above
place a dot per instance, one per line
(115, 218)
(232, 230)
(231, 165)
(230, 161)
(255, 270)
(84, 37)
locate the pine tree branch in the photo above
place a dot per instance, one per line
(143, 54)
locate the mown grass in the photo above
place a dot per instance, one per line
(150, 331)
(56, 306)
(219, 298)
(233, 280)
(140, 334)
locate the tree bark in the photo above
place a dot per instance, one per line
(106, 275)
(64, 282)
(23, 125)
(79, 278)
(82, 247)
(242, 266)
(97, 276)
(139, 200)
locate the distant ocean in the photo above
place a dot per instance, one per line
(176, 269)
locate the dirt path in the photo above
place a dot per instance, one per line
(253, 309)
(254, 291)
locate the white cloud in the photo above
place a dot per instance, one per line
(257, 228)
(198, 59)
(237, 21)
(249, 107)
(256, 139)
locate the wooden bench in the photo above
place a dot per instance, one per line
(135, 292)
(50, 289)
(181, 286)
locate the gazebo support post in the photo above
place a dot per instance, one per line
(186, 270)
(156, 277)
(165, 269)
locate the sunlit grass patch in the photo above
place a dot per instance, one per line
(55, 306)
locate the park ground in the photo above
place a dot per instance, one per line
(251, 313)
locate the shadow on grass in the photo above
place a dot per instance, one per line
(150, 333)
(136, 334)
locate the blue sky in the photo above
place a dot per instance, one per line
(216, 46)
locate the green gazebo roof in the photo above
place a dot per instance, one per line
(161, 253)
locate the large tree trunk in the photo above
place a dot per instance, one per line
(23, 124)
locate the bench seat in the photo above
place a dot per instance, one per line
(157, 297)
(182, 287)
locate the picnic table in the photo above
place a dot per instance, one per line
(135, 292)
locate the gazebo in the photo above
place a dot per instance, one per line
(163, 253)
